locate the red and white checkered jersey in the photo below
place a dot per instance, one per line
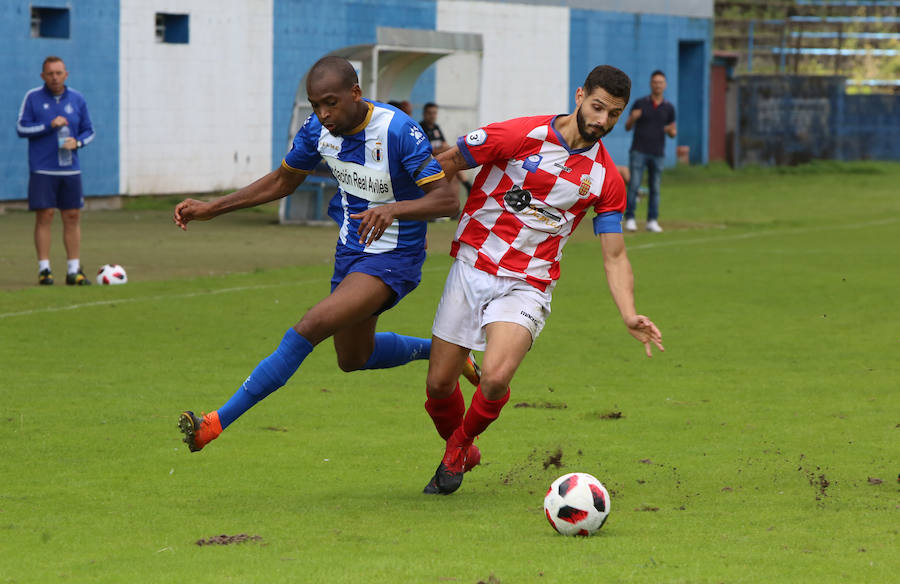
(530, 194)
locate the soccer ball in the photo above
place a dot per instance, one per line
(576, 504)
(111, 274)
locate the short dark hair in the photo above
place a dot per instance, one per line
(428, 105)
(657, 72)
(339, 66)
(51, 59)
(614, 81)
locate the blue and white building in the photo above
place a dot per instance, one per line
(199, 95)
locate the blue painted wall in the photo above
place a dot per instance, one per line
(91, 54)
(638, 44)
(868, 128)
(308, 29)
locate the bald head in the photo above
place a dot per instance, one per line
(336, 72)
(332, 89)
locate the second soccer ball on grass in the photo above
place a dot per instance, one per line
(111, 274)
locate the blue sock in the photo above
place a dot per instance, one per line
(271, 373)
(392, 349)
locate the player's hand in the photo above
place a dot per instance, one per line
(373, 223)
(59, 121)
(643, 329)
(636, 113)
(190, 210)
(70, 144)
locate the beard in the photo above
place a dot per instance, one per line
(589, 135)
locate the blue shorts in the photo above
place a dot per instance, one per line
(50, 191)
(400, 269)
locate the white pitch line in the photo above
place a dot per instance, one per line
(168, 296)
(630, 247)
(151, 298)
(755, 234)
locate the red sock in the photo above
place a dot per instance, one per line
(481, 413)
(446, 413)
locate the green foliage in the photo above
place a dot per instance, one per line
(750, 451)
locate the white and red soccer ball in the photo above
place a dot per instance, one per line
(576, 504)
(111, 274)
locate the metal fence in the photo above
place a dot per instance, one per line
(791, 119)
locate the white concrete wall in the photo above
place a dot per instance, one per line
(195, 117)
(525, 66)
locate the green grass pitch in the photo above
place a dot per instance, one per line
(762, 446)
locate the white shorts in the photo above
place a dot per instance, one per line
(472, 299)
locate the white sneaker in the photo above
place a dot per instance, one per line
(630, 225)
(654, 227)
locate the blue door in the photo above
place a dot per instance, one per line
(689, 113)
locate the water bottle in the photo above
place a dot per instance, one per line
(65, 156)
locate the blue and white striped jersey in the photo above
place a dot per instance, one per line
(386, 159)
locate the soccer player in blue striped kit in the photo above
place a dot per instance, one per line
(389, 186)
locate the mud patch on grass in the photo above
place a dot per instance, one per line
(228, 539)
(530, 466)
(816, 479)
(646, 508)
(541, 405)
(554, 459)
(274, 429)
(513, 474)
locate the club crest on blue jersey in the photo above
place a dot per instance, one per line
(377, 153)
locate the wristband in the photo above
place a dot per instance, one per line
(79, 143)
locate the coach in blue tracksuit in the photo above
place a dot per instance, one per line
(56, 122)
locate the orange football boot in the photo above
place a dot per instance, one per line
(198, 432)
(471, 371)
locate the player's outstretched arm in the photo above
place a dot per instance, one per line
(278, 183)
(621, 285)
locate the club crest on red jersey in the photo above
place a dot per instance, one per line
(585, 188)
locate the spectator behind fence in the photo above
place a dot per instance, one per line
(56, 122)
(652, 118)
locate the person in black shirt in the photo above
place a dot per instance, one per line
(432, 130)
(653, 118)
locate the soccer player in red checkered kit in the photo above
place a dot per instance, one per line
(539, 177)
